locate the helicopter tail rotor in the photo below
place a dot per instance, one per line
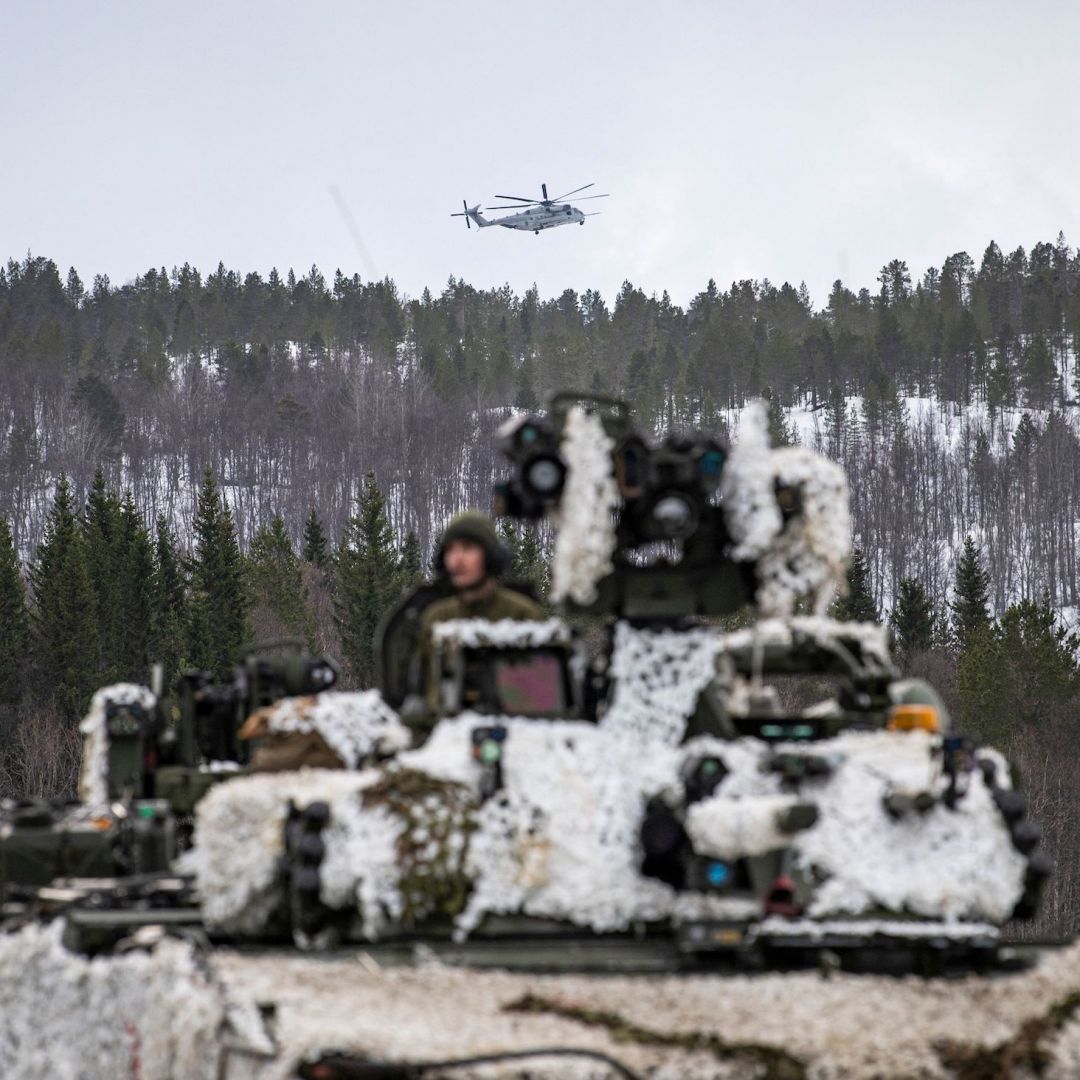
(467, 215)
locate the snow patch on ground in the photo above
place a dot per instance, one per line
(854, 1027)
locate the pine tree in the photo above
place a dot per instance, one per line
(971, 596)
(277, 581)
(858, 605)
(65, 633)
(218, 625)
(367, 577)
(315, 549)
(913, 619)
(14, 620)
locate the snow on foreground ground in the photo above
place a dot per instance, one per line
(170, 1014)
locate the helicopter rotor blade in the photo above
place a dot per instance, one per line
(569, 193)
(517, 198)
(543, 188)
(464, 215)
(584, 197)
(511, 206)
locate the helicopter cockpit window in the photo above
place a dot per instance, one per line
(530, 684)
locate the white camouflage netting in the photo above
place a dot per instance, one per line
(502, 633)
(944, 864)
(355, 725)
(807, 556)
(872, 638)
(585, 527)
(142, 1015)
(239, 839)
(560, 839)
(93, 780)
(658, 675)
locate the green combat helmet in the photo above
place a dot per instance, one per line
(477, 527)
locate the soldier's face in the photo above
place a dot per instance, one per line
(466, 563)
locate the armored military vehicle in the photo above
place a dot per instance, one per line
(644, 796)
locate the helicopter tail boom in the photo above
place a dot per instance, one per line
(471, 214)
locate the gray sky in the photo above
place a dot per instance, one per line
(781, 140)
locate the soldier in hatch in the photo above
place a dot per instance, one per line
(473, 559)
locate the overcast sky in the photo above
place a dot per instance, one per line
(791, 141)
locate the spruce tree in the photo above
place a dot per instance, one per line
(168, 603)
(780, 433)
(913, 619)
(315, 549)
(527, 563)
(14, 620)
(1022, 671)
(65, 633)
(218, 625)
(858, 605)
(410, 570)
(971, 596)
(136, 601)
(1000, 390)
(102, 528)
(367, 577)
(277, 581)
(1039, 372)
(1042, 656)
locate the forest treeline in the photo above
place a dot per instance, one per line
(190, 463)
(291, 389)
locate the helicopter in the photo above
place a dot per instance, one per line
(535, 214)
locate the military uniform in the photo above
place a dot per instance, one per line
(493, 603)
(497, 604)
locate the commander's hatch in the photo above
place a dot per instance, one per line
(508, 668)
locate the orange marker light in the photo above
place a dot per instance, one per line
(914, 718)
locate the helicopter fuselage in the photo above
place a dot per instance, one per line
(531, 214)
(540, 217)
